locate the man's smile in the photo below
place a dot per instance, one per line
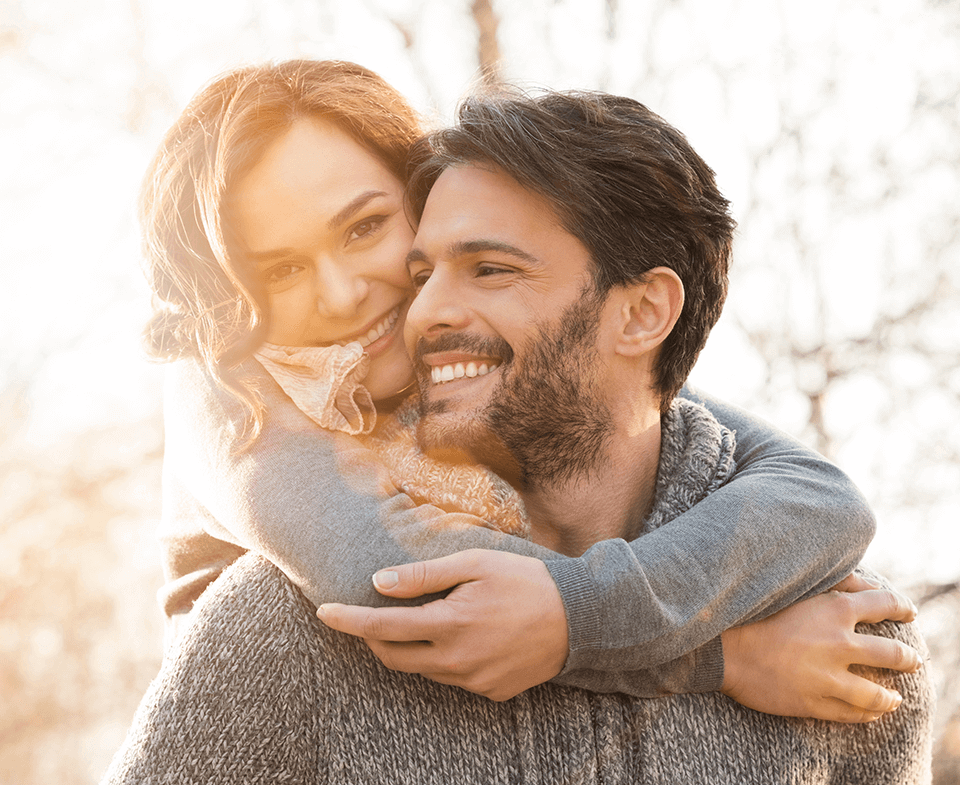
(450, 366)
(457, 357)
(447, 373)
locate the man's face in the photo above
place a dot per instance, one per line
(504, 329)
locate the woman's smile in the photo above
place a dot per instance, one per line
(369, 338)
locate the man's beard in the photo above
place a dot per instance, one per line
(546, 422)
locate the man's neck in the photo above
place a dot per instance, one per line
(608, 503)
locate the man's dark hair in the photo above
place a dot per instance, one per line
(621, 179)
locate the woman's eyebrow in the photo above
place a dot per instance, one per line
(354, 205)
(265, 257)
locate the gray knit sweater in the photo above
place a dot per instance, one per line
(259, 691)
(643, 616)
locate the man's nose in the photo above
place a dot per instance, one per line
(339, 290)
(437, 307)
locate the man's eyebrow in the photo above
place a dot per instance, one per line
(415, 255)
(469, 247)
(472, 247)
(354, 206)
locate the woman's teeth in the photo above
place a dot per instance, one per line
(447, 373)
(377, 331)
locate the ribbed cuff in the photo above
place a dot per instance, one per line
(582, 608)
(708, 676)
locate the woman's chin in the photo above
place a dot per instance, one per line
(386, 383)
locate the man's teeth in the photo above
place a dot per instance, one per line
(447, 373)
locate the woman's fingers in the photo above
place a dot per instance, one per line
(865, 695)
(877, 605)
(834, 710)
(427, 577)
(861, 698)
(877, 652)
(421, 623)
(501, 630)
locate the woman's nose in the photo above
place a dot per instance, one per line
(340, 291)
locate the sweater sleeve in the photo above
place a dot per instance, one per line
(787, 525)
(316, 503)
(643, 617)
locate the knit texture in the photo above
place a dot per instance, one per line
(324, 509)
(453, 487)
(259, 691)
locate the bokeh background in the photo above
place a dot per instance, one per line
(833, 127)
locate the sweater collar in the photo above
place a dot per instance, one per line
(696, 458)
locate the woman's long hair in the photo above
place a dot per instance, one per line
(205, 305)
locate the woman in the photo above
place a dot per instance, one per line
(276, 238)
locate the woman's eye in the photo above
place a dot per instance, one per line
(366, 227)
(280, 273)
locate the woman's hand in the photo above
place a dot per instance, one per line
(796, 662)
(500, 631)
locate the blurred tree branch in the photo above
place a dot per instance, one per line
(488, 47)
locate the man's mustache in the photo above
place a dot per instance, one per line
(462, 342)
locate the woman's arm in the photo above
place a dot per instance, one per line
(788, 525)
(314, 504)
(318, 504)
(643, 617)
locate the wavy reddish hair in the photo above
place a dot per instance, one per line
(204, 305)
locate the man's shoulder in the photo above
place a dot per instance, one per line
(236, 693)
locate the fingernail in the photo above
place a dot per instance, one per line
(324, 609)
(386, 579)
(898, 699)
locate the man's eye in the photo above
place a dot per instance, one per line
(420, 278)
(486, 270)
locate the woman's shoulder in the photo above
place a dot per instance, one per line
(190, 377)
(190, 387)
(198, 406)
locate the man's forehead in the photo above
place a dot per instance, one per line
(472, 204)
(476, 188)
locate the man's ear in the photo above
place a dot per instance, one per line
(648, 312)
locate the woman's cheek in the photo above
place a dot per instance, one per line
(289, 316)
(400, 247)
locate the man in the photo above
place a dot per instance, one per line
(590, 319)
(541, 238)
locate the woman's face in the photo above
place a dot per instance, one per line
(322, 220)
